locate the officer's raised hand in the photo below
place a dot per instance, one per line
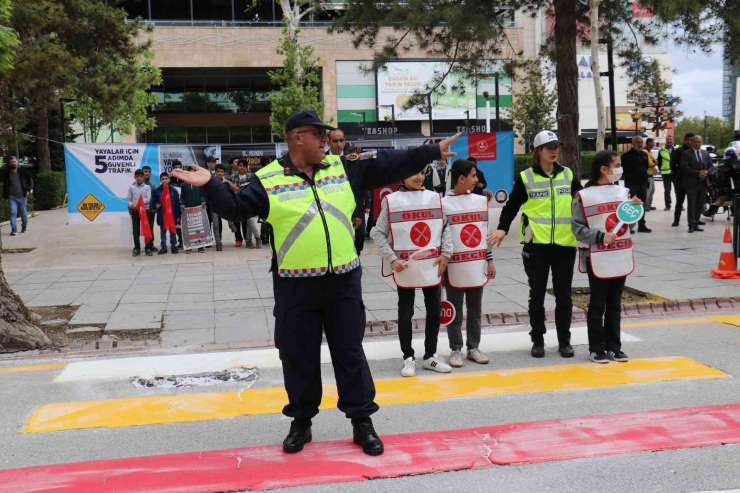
(444, 146)
(196, 176)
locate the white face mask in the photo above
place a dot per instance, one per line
(616, 174)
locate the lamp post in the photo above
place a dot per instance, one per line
(362, 114)
(393, 117)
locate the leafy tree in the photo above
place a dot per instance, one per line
(79, 49)
(534, 105)
(130, 111)
(297, 83)
(8, 37)
(16, 328)
(719, 131)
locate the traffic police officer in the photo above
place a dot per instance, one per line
(544, 194)
(308, 199)
(664, 162)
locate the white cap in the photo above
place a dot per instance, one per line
(546, 138)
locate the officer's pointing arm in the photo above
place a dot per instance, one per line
(379, 168)
(240, 205)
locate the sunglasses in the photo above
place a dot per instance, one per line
(318, 133)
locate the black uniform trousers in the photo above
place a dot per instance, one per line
(680, 197)
(306, 307)
(640, 191)
(604, 313)
(539, 260)
(695, 196)
(667, 181)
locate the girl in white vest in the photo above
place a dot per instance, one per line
(471, 265)
(606, 255)
(416, 247)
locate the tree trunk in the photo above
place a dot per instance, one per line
(17, 333)
(566, 75)
(42, 142)
(596, 71)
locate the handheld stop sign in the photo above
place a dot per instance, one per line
(628, 213)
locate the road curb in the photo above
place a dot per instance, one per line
(377, 328)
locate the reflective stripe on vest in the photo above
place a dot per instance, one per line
(548, 208)
(599, 206)
(416, 224)
(467, 218)
(665, 163)
(311, 223)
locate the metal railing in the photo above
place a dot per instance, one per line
(245, 24)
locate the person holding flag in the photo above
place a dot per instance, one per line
(166, 202)
(139, 197)
(605, 251)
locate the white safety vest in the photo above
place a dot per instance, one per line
(467, 218)
(600, 208)
(416, 223)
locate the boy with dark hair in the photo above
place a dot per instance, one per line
(220, 172)
(135, 191)
(164, 179)
(177, 185)
(238, 179)
(148, 180)
(471, 264)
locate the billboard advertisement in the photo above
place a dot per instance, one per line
(399, 80)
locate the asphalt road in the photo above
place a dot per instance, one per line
(711, 343)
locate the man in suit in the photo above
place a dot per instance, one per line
(694, 165)
(635, 165)
(676, 157)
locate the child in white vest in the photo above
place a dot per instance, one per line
(416, 247)
(471, 265)
(605, 254)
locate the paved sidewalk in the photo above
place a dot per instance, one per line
(226, 297)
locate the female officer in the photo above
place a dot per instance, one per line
(544, 194)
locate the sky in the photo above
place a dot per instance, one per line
(697, 79)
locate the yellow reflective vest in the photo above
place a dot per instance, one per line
(548, 208)
(311, 222)
(665, 161)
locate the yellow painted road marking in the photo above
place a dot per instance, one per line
(18, 369)
(137, 411)
(731, 320)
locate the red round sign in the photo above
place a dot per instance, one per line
(448, 313)
(421, 234)
(470, 235)
(612, 221)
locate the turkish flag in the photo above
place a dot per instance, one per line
(144, 221)
(169, 216)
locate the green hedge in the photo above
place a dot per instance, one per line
(49, 189)
(521, 162)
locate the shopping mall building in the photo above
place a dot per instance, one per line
(215, 56)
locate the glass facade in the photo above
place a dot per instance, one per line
(212, 91)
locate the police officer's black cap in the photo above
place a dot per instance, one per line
(303, 118)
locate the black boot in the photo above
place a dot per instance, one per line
(299, 435)
(364, 434)
(566, 350)
(538, 349)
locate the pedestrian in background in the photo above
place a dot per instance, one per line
(137, 190)
(695, 164)
(664, 164)
(164, 180)
(635, 164)
(235, 181)
(216, 222)
(17, 187)
(676, 157)
(652, 169)
(544, 193)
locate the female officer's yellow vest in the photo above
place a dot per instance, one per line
(311, 224)
(548, 208)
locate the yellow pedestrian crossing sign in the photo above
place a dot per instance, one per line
(90, 207)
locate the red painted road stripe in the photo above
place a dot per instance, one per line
(263, 468)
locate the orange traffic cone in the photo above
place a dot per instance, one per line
(727, 268)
